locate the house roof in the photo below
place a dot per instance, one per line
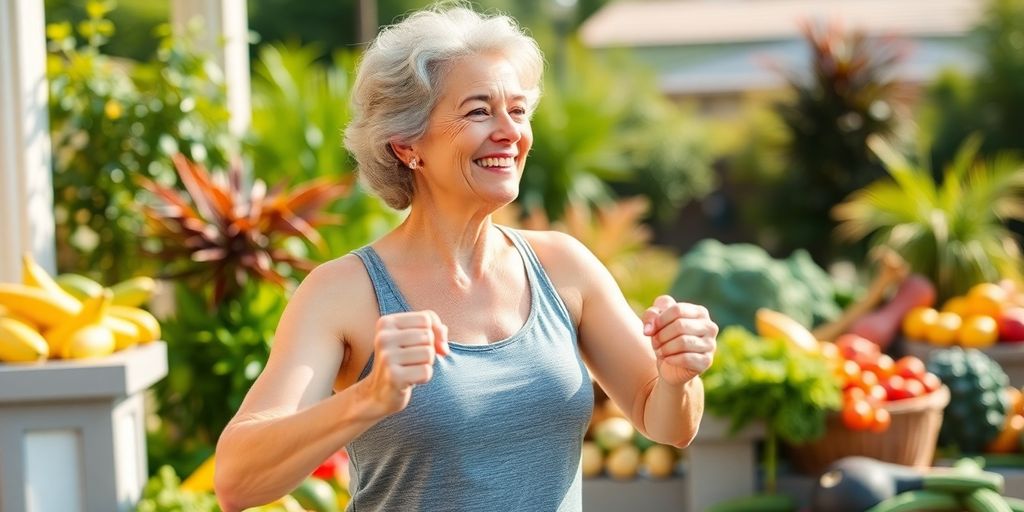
(688, 22)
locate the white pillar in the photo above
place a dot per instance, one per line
(26, 189)
(226, 35)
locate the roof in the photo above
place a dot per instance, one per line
(688, 22)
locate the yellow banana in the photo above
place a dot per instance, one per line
(78, 286)
(20, 343)
(33, 274)
(149, 327)
(92, 312)
(126, 334)
(133, 292)
(772, 324)
(43, 308)
(93, 340)
(7, 313)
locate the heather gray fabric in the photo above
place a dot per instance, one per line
(498, 427)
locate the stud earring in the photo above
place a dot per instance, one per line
(414, 163)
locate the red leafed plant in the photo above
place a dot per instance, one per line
(224, 232)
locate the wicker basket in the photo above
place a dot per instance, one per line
(910, 440)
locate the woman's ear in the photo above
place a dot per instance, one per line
(404, 152)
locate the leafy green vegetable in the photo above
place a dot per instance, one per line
(754, 378)
(163, 493)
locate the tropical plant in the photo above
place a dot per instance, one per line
(953, 232)
(113, 120)
(225, 233)
(851, 94)
(226, 245)
(300, 107)
(990, 102)
(598, 128)
(616, 235)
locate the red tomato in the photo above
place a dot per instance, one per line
(866, 380)
(910, 367)
(881, 420)
(851, 345)
(853, 394)
(931, 382)
(914, 388)
(858, 415)
(882, 366)
(896, 388)
(877, 394)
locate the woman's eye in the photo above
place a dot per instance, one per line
(518, 111)
(478, 112)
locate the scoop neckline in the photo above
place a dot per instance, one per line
(531, 282)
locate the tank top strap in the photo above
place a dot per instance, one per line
(389, 299)
(547, 293)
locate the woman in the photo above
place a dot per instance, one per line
(453, 356)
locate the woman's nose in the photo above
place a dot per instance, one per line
(506, 128)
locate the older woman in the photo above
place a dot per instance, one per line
(453, 357)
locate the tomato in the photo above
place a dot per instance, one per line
(931, 382)
(866, 380)
(848, 373)
(881, 420)
(882, 366)
(852, 394)
(858, 415)
(896, 388)
(914, 388)
(877, 394)
(910, 367)
(851, 345)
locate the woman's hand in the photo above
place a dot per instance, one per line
(683, 338)
(404, 351)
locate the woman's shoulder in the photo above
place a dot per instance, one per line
(557, 248)
(342, 281)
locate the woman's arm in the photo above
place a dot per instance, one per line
(287, 425)
(661, 393)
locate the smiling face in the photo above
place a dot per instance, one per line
(478, 135)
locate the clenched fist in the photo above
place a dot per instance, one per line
(683, 338)
(404, 349)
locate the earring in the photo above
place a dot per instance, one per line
(414, 163)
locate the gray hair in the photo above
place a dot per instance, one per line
(400, 78)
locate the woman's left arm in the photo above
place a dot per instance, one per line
(649, 366)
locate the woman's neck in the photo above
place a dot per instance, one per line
(457, 240)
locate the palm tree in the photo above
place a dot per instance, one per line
(955, 231)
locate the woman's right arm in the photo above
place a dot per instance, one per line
(289, 422)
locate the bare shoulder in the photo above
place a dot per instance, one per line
(560, 252)
(337, 293)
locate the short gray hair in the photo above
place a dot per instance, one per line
(400, 78)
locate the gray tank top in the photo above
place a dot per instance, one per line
(497, 428)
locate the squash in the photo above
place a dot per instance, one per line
(883, 325)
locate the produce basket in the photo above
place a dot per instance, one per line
(910, 439)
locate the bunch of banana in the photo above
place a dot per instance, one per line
(71, 317)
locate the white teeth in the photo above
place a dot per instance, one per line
(496, 162)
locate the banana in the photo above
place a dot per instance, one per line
(148, 325)
(7, 313)
(775, 325)
(79, 286)
(41, 307)
(126, 334)
(133, 292)
(20, 343)
(93, 340)
(33, 274)
(92, 312)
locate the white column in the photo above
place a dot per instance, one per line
(226, 35)
(26, 189)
